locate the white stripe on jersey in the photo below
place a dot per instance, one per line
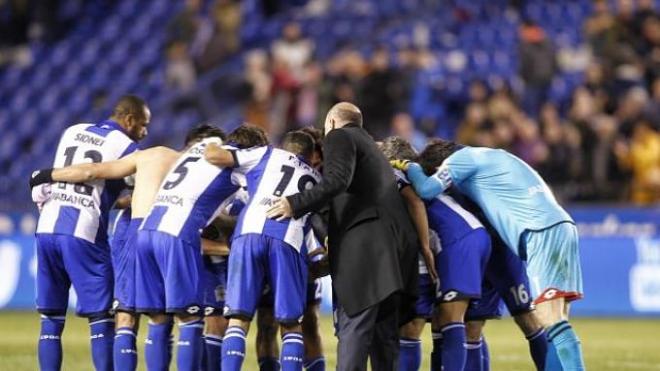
(470, 219)
(78, 144)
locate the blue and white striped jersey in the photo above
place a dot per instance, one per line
(81, 210)
(272, 173)
(191, 194)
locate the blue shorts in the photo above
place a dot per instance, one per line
(169, 274)
(489, 306)
(257, 260)
(123, 264)
(553, 263)
(63, 260)
(215, 284)
(427, 297)
(461, 266)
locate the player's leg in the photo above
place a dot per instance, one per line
(410, 345)
(244, 286)
(475, 341)
(150, 299)
(90, 268)
(184, 296)
(314, 358)
(461, 266)
(215, 270)
(52, 298)
(554, 270)
(288, 280)
(268, 350)
(123, 263)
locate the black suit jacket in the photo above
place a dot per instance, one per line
(373, 246)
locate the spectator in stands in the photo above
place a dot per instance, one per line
(293, 51)
(403, 126)
(378, 97)
(180, 70)
(184, 26)
(258, 78)
(221, 36)
(642, 158)
(538, 65)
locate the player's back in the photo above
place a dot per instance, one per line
(153, 165)
(512, 194)
(272, 173)
(190, 195)
(81, 210)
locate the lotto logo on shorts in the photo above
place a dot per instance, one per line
(193, 309)
(449, 295)
(115, 304)
(550, 294)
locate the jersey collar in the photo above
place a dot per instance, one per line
(111, 125)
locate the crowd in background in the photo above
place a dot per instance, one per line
(601, 144)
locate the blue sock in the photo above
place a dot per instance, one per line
(213, 352)
(436, 352)
(269, 364)
(125, 349)
(315, 364)
(552, 362)
(474, 361)
(233, 349)
(50, 342)
(102, 337)
(538, 348)
(156, 354)
(567, 345)
(189, 347)
(485, 355)
(454, 353)
(293, 351)
(410, 354)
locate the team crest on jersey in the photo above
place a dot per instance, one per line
(193, 309)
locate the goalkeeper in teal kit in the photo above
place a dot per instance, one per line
(525, 213)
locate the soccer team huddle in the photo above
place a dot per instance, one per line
(196, 243)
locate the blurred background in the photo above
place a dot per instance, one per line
(572, 87)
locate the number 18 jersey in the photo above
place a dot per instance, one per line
(271, 173)
(81, 210)
(191, 194)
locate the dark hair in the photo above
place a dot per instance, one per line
(435, 153)
(299, 143)
(317, 135)
(203, 131)
(398, 148)
(129, 104)
(246, 136)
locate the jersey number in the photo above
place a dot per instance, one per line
(287, 173)
(181, 171)
(69, 153)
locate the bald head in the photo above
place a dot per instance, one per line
(341, 114)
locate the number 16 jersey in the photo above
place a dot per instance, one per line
(191, 194)
(271, 173)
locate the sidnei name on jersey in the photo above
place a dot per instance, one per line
(89, 139)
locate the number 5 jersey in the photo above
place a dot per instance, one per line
(81, 210)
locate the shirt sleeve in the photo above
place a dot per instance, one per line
(401, 179)
(427, 187)
(460, 165)
(246, 159)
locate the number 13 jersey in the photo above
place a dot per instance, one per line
(191, 194)
(81, 210)
(271, 173)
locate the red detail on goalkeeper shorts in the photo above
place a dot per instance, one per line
(552, 293)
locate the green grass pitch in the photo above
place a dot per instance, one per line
(609, 344)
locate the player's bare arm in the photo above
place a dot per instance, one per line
(417, 212)
(219, 156)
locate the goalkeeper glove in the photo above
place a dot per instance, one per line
(400, 164)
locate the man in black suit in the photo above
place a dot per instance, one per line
(373, 246)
